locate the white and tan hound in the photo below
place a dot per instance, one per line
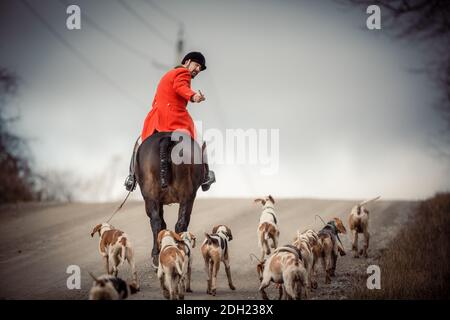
(268, 226)
(215, 248)
(115, 246)
(172, 266)
(358, 221)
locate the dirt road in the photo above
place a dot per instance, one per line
(39, 242)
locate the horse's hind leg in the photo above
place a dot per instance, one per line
(184, 215)
(155, 213)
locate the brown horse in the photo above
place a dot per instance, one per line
(186, 178)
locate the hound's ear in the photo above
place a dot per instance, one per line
(96, 229)
(214, 230)
(263, 202)
(230, 235)
(271, 199)
(160, 236)
(340, 226)
(176, 236)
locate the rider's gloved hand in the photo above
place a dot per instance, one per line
(198, 97)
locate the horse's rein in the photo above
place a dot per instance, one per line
(120, 207)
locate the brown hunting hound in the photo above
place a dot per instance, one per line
(303, 243)
(358, 221)
(214, 250)
(115, 245)
(331, 246)
(285, 268)
(187, 245)
(268, 226)
(172, 267)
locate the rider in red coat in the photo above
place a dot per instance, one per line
(169, 112)
(169, 109)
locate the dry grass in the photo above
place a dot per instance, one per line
(416, 263)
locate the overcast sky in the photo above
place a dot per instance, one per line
(353, 120)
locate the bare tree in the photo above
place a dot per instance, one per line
(427, 21)
(16, 180)
(57, 185)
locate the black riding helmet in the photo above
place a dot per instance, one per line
(197, 57)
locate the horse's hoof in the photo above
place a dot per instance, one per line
(189, 290)
(232, 287)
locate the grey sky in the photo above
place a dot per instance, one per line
(354, 121)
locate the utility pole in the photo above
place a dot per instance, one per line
(180, 45)
(179, 51)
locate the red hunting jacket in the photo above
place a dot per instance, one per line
(169, 107)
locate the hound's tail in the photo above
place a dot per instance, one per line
(123, 252)
(179, 267)
(368, 201)
(263, 235)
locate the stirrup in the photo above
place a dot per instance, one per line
(130, 183)
(209, 181)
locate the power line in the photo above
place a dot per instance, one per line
(138, 53)
(162, 11)
(133, 12)
(81, 57)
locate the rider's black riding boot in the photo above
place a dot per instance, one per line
(130, 181)
(165, 162)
